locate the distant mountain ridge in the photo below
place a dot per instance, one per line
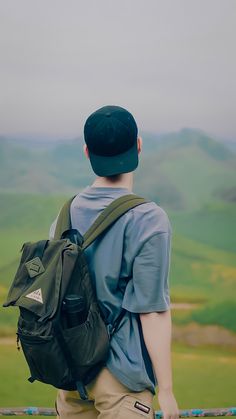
(181, 171)
(188, 137)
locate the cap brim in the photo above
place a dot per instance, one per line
(115, 165)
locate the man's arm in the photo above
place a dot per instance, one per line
(157, 331)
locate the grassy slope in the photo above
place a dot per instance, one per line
(23, 218)
(196, 275)
(199, 272)
(203, 264)
(202, 378)
(214, 224)
(184, 178)
(42, 171)
(33, 212)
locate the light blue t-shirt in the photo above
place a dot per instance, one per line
(129, 266)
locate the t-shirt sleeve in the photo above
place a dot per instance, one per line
(148, 289)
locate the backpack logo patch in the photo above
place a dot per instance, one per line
(36, 295)
(34, 267)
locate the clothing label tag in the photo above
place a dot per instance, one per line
(142, 407)
(36, 295)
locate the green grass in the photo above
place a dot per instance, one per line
(184, 177)
(30, 212)
(222, 313)
(215, 313)
(15, 390)
(203, 377)
(200, 272)
(198, 174)
(214, 225)
(196, 276)
(203, 264)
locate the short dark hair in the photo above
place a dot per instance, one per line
(114, 178)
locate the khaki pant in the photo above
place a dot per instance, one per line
(108, 399)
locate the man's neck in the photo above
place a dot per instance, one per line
(125, 181)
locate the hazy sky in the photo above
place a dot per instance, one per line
(170, 62)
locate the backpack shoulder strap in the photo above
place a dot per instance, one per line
(63, 221)
(110, 214)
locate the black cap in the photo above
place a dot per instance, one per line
(111, 137)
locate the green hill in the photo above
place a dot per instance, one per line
(189, 174)
(213, 224)
(199, 271)
(48, 170)
(181, 171)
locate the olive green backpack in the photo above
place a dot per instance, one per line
(67, 357)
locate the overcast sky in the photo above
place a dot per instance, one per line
(170, 62)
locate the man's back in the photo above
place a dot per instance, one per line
(129, 267)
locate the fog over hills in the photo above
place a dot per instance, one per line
(181, 170)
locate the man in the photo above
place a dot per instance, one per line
(129, 267)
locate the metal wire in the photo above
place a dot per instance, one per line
(184, 413)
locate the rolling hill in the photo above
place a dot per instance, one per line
(181, 171)
(189, 174)
(203, 269)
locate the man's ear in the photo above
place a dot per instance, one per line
(86, 152)
(139, 144)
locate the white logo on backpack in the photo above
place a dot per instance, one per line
(36, 295)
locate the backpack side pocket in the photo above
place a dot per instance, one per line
(45, 359)
(88, 344)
